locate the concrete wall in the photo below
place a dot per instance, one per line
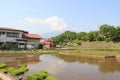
(34, 42)
(3, 38)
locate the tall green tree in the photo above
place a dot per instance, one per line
(82, 36)
(91, 36)
(65, 37)
(107, 31)
(116, 37)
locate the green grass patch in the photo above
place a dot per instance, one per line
(33, 77)
(10, 69)
(23, 69)
(49, 51)
(18, 71)
(92, 52)
(3, 70)
(3, 65)
(42, 75)
(22, 65)
(51, 78)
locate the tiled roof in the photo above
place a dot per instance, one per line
(33, 36)
(11, 29)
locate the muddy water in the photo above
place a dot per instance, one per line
(66, 68)
(71, 68)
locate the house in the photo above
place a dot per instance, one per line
(32, 40)
(15, 38)
(47, 43)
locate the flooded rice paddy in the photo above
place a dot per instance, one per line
(68, 68)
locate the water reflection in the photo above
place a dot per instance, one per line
(72, 68)
(67, 68)
(105, 65)
(16, 59)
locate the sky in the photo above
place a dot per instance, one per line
(44, 16)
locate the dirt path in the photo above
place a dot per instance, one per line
(5, 77)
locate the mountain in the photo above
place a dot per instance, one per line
(50, 34)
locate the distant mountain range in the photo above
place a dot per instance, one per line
(50, 34)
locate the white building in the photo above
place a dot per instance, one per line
(15, 38)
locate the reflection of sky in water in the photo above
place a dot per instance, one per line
(73, 70)
(50, 63)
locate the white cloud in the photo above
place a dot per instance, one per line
(53, 23)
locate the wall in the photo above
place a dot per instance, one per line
(3, 38)
(34, 42)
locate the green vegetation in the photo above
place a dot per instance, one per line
(22, 65)
(33, 77)
(48, 51)
(92, 52)
(22, 68)
(17, 72)
(50, 78)
(42, 75)
(10, 69)
(105, 33)
(3, 66)
(3, 70)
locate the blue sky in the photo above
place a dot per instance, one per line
(42, 16)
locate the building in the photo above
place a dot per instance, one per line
(47, 43)
(15, 38)
(32, 40)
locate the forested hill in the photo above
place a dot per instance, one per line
(105, 33)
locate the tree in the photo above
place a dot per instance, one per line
(116, 37)
(65, 37)
(82, 36)
(107, 31)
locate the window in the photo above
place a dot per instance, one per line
(12, 34)
(2, 33)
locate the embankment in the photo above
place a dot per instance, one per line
(86, 55)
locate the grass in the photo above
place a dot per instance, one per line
(99, 45)
(22, 65)
(51, 78)
(42, 75)
(19, 71)
(3, 65)
(22, 68)
(10, 69)
(92, 52)
(86, 52)
(48, 51)
(3, 70)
